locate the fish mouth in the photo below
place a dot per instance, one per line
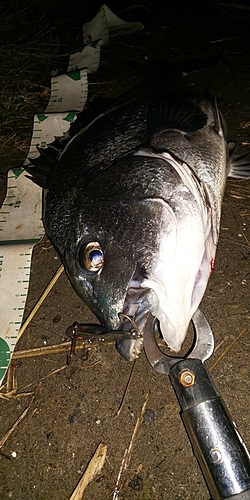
(137, 305)
(174, 315)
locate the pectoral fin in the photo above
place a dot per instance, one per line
(239, 160)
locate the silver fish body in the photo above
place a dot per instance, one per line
(133, 208)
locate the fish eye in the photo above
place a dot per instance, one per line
(91, 256)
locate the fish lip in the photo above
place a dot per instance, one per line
(133, 318)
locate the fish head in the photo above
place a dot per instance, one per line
(106, 248)
(100, 270)
(137, 239)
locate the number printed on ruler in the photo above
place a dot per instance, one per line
(14, 288)
(13, 291)
(69, 92)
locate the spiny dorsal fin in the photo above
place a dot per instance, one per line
(96, 108)
(41, 167)
(39, 173)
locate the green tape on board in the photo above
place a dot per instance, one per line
(4, 357)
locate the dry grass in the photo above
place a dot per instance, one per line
(32, 45)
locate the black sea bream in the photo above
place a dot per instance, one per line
(133, 205)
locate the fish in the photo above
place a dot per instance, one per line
(132, 204)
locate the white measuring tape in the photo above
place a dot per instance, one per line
(20, 215)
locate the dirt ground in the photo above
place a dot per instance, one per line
(74, 407)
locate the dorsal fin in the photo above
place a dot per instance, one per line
(39, 172)
(41, 168)
(95, 108)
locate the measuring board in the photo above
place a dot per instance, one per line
(20, 215)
